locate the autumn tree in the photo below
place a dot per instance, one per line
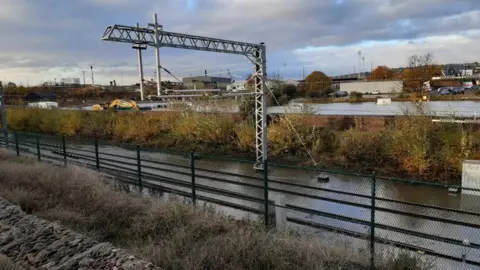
(317, 81)
(11, 85)
(420, 70)
(382, 73)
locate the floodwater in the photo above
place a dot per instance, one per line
(440, 108)
(426, 195)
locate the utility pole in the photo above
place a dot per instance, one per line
(364, 69)
(303, 77)
(359, 64)
(83, 71)
(93, 81)
(139, 48)
(157, 28)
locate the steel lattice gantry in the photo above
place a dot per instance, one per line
(255, 52)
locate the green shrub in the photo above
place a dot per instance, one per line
(409, 142)
(291, 134)
(289, 90)
(361, 146)
(327, 141)
(355, 97)
(283, 100)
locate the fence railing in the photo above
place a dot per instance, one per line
(374, 211)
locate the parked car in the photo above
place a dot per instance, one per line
(376, 93)
(458, 90)
(441, 89)
(445, 92)
(340, 94)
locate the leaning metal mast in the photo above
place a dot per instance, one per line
(256, 53)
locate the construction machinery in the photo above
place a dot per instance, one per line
(117, 105)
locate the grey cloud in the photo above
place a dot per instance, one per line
(290, 24)
(69, 34)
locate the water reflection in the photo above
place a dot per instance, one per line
(317, 199)
(440, 108)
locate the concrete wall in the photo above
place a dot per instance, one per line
(471, 177)
(373, 86)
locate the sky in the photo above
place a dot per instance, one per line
(46, 39)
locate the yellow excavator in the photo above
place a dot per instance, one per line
(117, 105)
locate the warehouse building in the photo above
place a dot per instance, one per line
(39, 97)
(368, 87)
(208, 82)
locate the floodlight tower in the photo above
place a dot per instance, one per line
(140, 47)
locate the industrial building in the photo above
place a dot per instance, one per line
(39, 97)
(372, 87)
(208, 82)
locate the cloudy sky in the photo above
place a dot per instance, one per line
(46, 39)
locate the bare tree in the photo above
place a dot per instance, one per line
(420, 70)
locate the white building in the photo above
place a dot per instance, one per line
(236, 87)
(382, 87)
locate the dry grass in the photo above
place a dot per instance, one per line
(170, 234)
(412, 146)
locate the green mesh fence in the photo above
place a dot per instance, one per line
(380, 214)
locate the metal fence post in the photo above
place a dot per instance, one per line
(3, 108)
(97, 159)
(265, 190)
(139, 168)
(192, 172)
(372, 221)
(38, 148)
(17, 148)
(64, 144)
(4, 115)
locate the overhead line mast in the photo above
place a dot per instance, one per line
(256, 53)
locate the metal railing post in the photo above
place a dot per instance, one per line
(97, 158)
(64, 145)
(4, 113)
(192, 173)
(5, 137)
(17, 148)
(38, 147)
(139, 169)
(372, 221)
(265, 190)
